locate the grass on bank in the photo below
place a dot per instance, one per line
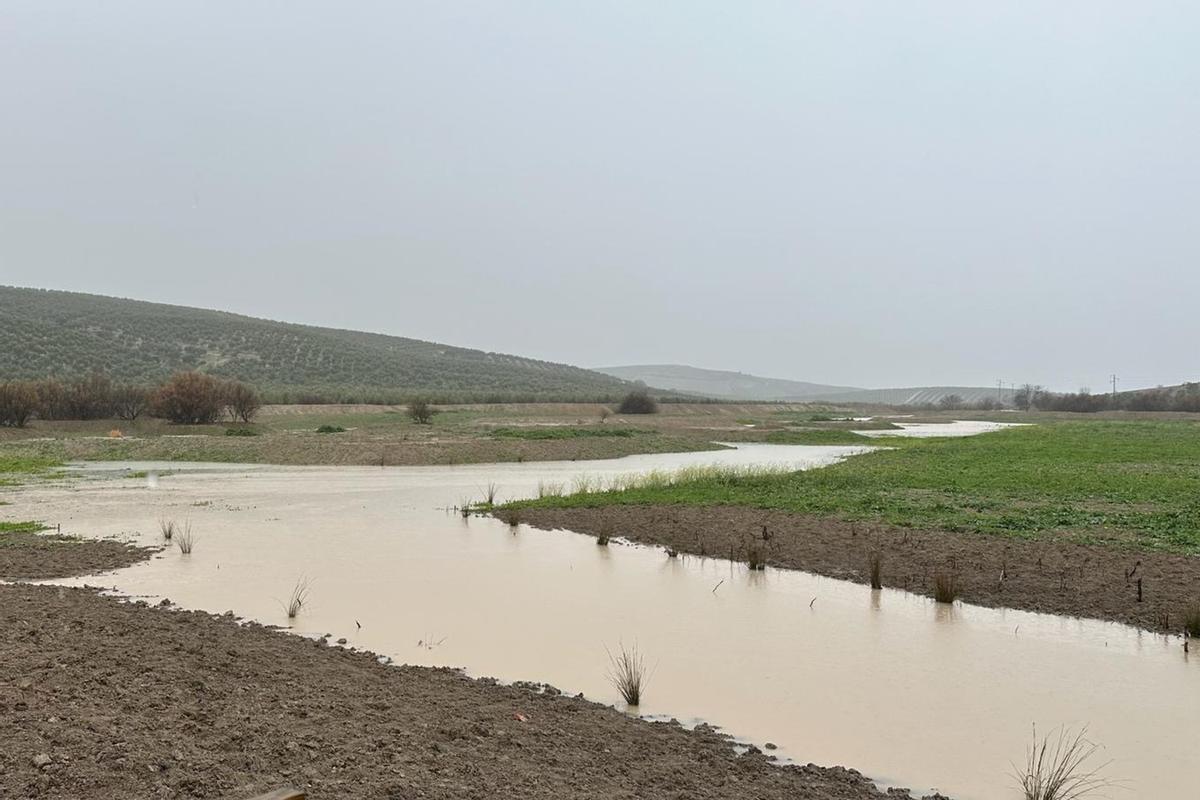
(547, 432)
(1136, 483)
(20, 527)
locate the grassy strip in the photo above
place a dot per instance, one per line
(1137, 483)
(23, 464)
(20, 527)
(819, 437)
(564, 432)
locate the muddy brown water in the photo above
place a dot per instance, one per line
(909, 692)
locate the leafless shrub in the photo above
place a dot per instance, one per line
(627, 673)
(512, 516)
(1056, 767)
(875, 569)
(185, 538)
(241, 401)
(129, 401)
(189, 398)
(604, 535)
(945, 587)
(90, 397)
(18, 402)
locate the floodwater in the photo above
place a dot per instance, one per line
(929, 430)
(909, 692)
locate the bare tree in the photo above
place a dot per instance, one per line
(242, 401)
(130, 401)
(18, 401)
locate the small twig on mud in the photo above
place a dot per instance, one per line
(810, 604)
(718, 586)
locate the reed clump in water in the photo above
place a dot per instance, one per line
(875, 569)
(167, 526)
(297, 598)
(185, 538)
(627, 673)
(1191, 620)
(489, 494)
(946, 587)
(1057, 767)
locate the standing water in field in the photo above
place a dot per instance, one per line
(910, 692)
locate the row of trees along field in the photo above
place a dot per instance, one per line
(1174, 398)
(190, 398)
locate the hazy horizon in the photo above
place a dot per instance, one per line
(840, 193)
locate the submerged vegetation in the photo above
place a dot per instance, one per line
(1133, 483)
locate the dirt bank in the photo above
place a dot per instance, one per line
(102, 698)
(1057, 577)
(30, 556)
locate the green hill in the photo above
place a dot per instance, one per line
(47, 333)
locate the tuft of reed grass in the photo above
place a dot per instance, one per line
(185, 538)
(167, 526)
(489, 494)
(549, 489)
(1056, 767)
(945, 587)
(1191, 620)
(875, 569)
(297, 598)
(627, 673)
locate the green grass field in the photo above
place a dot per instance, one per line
(19, 527)
(1132, 483)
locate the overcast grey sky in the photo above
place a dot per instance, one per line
(857, 193)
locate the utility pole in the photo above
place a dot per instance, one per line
(1113, 378)
(999, 391)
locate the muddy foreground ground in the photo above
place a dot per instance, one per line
(1056, 576)
(104, 698)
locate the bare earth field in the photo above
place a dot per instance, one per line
(103, 698)
(384, 435)
(1052, 576)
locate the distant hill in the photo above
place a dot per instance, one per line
(740, 386)
(720, 384)
(50, 333)
(918, 395)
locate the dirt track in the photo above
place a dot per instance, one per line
(1058, 577)
(102, 698)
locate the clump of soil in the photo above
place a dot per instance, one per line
(101, 698)
(1053, 575)
(32, 556)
